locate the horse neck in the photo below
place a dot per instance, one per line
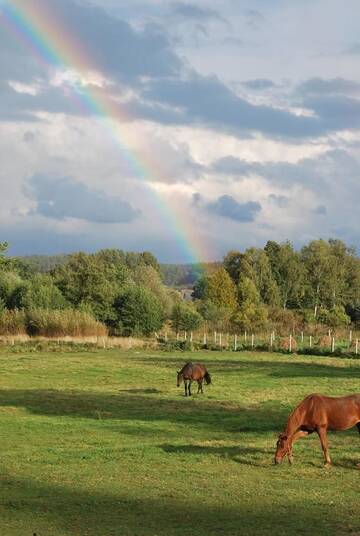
(293, 422)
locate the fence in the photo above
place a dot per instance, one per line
(329, 343)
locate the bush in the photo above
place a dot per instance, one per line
(138, 311)
(185, 317)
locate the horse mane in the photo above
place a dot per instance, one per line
(189, 364)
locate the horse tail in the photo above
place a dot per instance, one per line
(207, 378)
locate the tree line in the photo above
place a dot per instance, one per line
(275, 287)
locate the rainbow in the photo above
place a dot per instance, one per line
(45, 36)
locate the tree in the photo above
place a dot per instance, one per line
(288, 272)
(256, 266)
(233, 264)
(87, 279)
(138, 311)
(10, 284)
(185, 317)
(200, 288)
(39, 293)
(325, 264)
(251, 314)
(147, 276)
(221, 290)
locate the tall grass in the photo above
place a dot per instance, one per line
(69, 322)
(50, 323)
(12, 322)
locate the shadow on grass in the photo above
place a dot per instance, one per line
(194, 412)
(289, 368)
(59, 509)
(245, 455)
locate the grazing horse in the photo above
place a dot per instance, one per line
(193, 372)
(318, 413)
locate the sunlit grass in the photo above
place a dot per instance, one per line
(103, 443)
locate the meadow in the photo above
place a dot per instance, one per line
(103, 443)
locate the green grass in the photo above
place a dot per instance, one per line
(103, 443)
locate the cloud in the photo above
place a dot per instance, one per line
(192, 11)
(352, 50)
(321, 210)
(313, 173)
(259, 84)
(227, 207)
(59, 198)
(280, 201)
(321, 86)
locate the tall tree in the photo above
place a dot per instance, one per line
(288, 272)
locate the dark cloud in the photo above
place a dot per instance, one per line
(60, 198)
(321, 86)
(196, 199)
(207, 101)
(113, 45)
(321, 210)
(227, 207)
(167, 91)
(314, 173)
(352, 50)
(192, 11)
(27, 238)
(280, 201)
(259, 84)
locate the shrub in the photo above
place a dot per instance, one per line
(185, 317)
(138, 311)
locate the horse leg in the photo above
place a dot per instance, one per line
(186, 387)
(189, 388)
(296, 436)
(324, 444)
(200, 390)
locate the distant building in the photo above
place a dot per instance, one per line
(186, 294)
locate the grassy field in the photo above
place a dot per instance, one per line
(104, 444)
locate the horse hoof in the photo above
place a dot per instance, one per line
(327, 465)
(357, 466)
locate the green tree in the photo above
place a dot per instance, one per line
(138, 311)
(221, 290)
(256, 266)
(11, 284)
(185, 317)
(252, 313)
(288, 272)
(40, 293)
(233, 264)
(87, 279)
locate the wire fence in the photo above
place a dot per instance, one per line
(340, 343)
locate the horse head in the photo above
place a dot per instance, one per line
(282, 448)
(179, 378)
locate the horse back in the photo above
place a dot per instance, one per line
(193, 371)
(336, 413)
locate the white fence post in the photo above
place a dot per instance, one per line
(235, 342)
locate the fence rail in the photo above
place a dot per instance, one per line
(292, 343)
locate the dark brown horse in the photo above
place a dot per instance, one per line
(318, 413)
(193, 372)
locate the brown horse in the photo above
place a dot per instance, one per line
(318, 413)
(193, 372)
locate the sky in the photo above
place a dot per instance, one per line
(229, 123)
